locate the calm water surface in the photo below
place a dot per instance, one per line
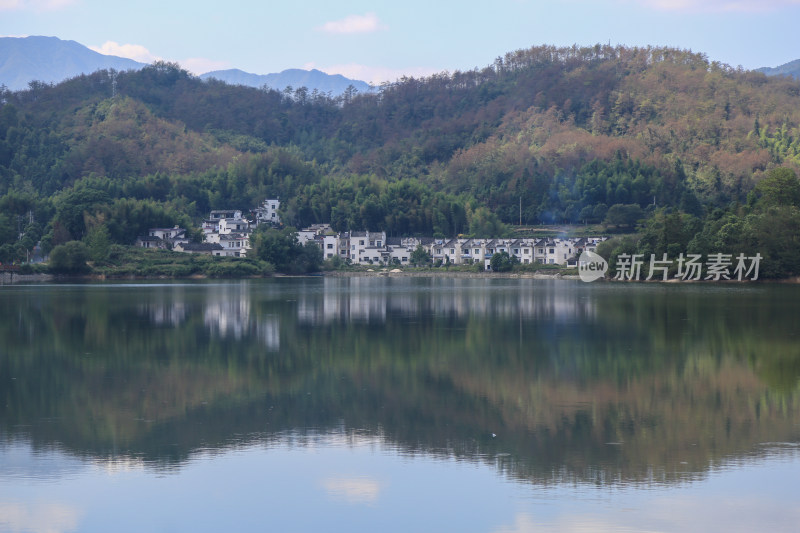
(397, 404)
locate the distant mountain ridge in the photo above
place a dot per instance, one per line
(791, 68)
(52, 60)
(312, 79)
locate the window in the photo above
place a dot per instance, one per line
(552, 250)
(477, 251)
(378, 244)
(330, 246)
(361, 242)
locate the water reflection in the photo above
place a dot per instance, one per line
(228, 314)
(547, 382)
(39, 517)
(375, 299)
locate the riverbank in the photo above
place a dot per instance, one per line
(447, 274)
(9, 278)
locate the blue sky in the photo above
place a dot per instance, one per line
(380, 41)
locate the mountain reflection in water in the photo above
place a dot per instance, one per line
(547, 381)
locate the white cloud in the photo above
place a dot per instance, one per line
(201, 65)
(367, 23)
(35, 5)
(43, 517)
(373, 75)
(694, 510)
(717, 5)
(525, 523)
(136, 52)
(352, 490)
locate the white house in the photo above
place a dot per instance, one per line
(233, 225)
(267, 213)
(163, 238)
(233, 245)
(368, 247)
(329, 245)
(218, 214)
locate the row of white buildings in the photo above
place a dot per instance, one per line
(227, 233)
(375, 248)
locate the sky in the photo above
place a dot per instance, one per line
(378, 41)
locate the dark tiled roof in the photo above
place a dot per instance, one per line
(201, 246)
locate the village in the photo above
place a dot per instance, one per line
(227, 233)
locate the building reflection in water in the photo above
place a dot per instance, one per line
(229, 314)
(373, 299)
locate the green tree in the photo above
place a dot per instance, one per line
(311, 258)
(501, 262)
(611, 249)
(420, 256)
(484, 223)
(281, 248)
(69, 258)
(624, 215)
(779, 187)
(98, 243)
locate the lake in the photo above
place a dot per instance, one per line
(399, 404)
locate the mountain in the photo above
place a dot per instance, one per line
(791, 68)
(546, 135)
(335, 84)
(51, 60)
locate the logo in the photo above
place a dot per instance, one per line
(591, 266)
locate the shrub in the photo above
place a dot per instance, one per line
(69, 258)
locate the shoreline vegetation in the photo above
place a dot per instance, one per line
(166, 265)
(686, 155)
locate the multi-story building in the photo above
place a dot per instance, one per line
(229, 230)
(267, 213)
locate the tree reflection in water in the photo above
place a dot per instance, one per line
(605, 383)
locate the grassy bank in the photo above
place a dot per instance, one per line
(132, 262)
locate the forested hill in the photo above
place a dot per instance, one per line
(566, 132)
